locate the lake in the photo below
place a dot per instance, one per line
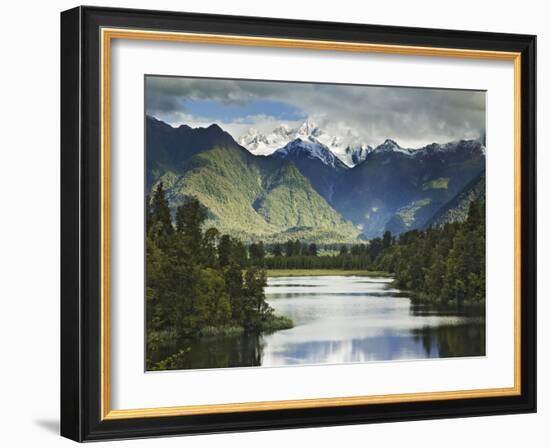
(341, 319)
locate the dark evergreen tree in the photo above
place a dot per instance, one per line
(277, 250)
(224, 250)
(387, 239)
(312, 249)
(234, 285)
(240, 255)
(195, 282)
(190, 217)
(257, 253)
(210, 242)
(297, 250)
(289, 248)
(159, 214)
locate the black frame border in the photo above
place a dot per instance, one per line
(81, 223)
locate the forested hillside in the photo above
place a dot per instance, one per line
(456, 210)
(246, 196)
(443, 265)
(303, 191)
(199, 283)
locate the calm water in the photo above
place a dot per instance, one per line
(344, 319)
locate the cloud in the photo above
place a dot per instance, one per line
(411, 116)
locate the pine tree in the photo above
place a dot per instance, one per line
(190, 217)
(240, 255)
(289, 248)
(277, 250)
(312, 249)
(297, 250)
(210, 241)
(225, 250)
(386, 239)
(159, 213)
(234, 285)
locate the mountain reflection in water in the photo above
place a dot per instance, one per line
(341, 319)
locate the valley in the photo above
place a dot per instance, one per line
(303, 190)
(293, 223)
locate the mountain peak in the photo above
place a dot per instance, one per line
(214, 131)
(309, 148)
(391, 142)
(390, 145)
(281, 129)
(347, 145)
(358, 153)
(215, 127)
(471, 146)
(309, 128)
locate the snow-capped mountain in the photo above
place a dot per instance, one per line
(390, 187)
(390, 145)
(315, 161)
(264, 144)
(464, 146)
(309, 129)
(398, 188)
(358, 153)
(469, 146)
(347, 147)
(309, 148)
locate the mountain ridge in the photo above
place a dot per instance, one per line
(398, 189)
(252, 197)
(456, 210)
(392, 188)
(346, 147)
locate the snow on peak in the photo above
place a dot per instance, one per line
(347, 147)
(310, 148)
(471, 146)
(253, 139)
(390, 145)
(358, 153)
(282, 130)
(309, 128)
(390, 142)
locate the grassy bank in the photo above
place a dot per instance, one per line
(323, 272)
(269, 325)
(276, 323)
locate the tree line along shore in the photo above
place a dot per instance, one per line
(200, 283)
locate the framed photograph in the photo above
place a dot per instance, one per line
(275, 224)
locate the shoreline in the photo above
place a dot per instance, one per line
(324, 273)
(276, 322)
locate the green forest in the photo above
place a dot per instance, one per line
(199, 283)
(440, 265)
(444, 265)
